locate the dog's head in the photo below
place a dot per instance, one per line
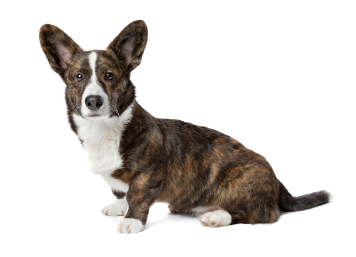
(98, 82)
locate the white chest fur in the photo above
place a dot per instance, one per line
(101, 140)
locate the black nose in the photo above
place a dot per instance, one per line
(94, 102)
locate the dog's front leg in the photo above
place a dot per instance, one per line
(142, 193)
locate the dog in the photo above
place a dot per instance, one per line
(196, 170)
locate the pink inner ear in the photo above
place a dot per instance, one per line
(64, 56)
(127, 50)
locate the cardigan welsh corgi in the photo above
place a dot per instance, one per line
(144, 159)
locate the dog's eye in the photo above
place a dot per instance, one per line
(79, 77)
(109, 76)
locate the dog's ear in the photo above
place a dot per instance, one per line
(58, 47)
(130, 44)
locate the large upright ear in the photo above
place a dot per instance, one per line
(58, 47)
(130, 44)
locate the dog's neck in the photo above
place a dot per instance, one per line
(141, 123)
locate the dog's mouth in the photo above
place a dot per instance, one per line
(96, 116)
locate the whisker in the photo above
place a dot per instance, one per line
(114, 108)
(75, 109)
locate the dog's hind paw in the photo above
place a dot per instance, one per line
(215, 219)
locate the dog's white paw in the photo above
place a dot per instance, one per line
(215, 219)
(129, 225)
(118, 208)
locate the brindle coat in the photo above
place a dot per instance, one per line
(172, 161)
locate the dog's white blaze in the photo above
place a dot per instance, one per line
(101, 140)
(93, 88)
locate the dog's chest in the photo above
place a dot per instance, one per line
(103, 153)
(101, 141)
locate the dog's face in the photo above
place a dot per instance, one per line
(98, 82)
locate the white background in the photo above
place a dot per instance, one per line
(278, 76)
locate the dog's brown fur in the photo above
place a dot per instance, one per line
(173, 161)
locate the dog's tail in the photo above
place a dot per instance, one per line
(289, 203)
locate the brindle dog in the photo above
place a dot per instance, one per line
(195, 169)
